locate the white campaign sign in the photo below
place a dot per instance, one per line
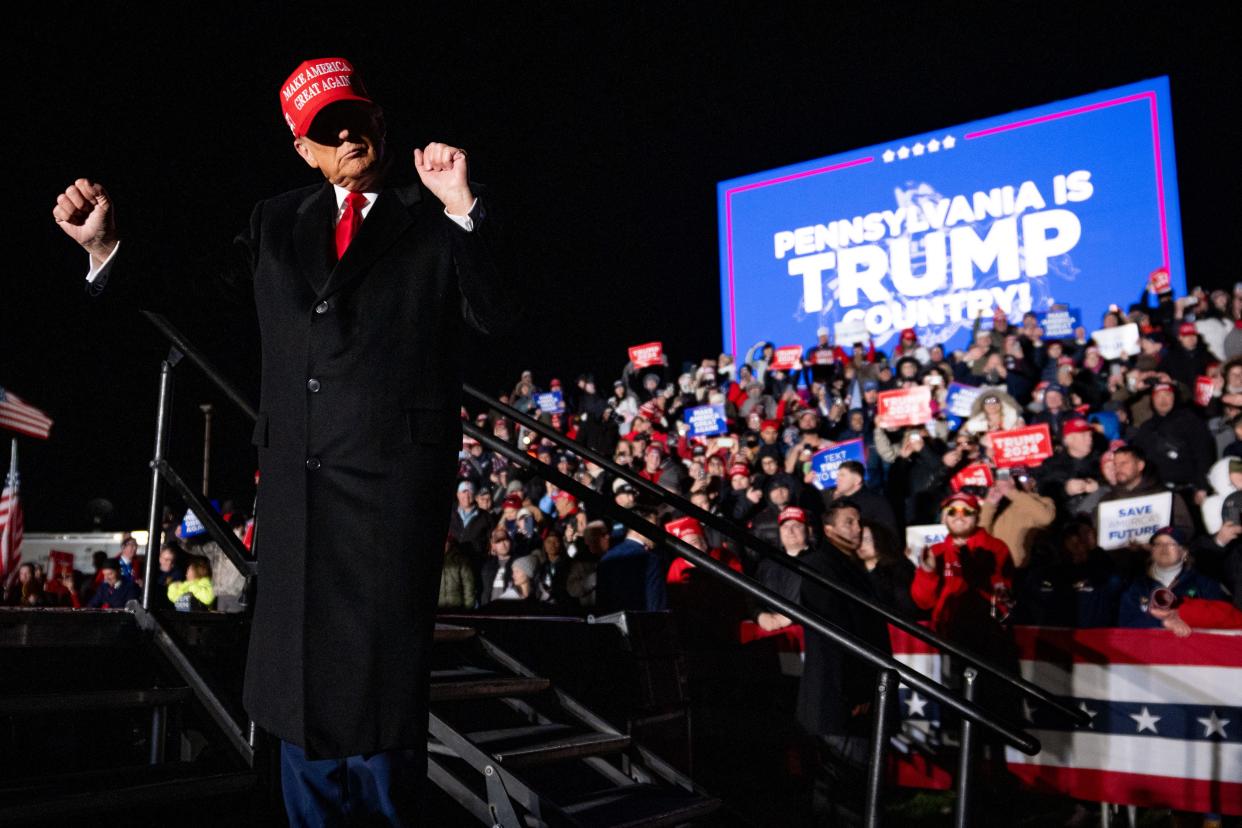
(1133, 519)
(850, 332)
(1117, 342)
(919, 538)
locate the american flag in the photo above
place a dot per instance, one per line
(22, 417)
(1166, 715)
(10, 523)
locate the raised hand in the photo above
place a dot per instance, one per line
(442, 169)
(87, 215)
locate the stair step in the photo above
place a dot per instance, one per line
(648, 806)
(556, 750)
(93, 700)
(504, 734)
(451, 632)
(98, 792)
(487, 688)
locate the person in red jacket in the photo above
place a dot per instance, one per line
(966, 580)
(691, 531)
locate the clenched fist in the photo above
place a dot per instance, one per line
(87, 216)
(442, 169)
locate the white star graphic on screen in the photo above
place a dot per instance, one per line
(948, 142)
(918, 148)
(933, 145)
(1145, 720)
(888, 156)
(1028, 712)
(1090, 713)
(903, 153)
(1214, 724)
(917, 705)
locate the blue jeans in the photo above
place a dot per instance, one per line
(369, 789)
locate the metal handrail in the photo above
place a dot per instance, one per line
(196, 356)
(768, 552)
(1016, 737)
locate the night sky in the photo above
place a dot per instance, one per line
(601, 133)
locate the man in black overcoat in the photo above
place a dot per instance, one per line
(837, 688)
(364, 288)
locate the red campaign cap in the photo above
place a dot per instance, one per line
(513, 501)
(909, 333)
(554, 383)
(684, 527)
(1065, 361)
(1187, 329)
(649, 411)
(739, 470)
(314, 85)
(792, 513)
(967, 500)
(772, 424)
(561, 494)
(1163, 386)
(1075, 425)
(657, 446)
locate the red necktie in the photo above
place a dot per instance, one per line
(348, 226)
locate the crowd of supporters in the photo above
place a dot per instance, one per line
(1024, 546)
(182, 579)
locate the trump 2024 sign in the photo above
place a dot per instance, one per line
(1069, 204)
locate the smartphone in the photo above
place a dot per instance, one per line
(725, 442)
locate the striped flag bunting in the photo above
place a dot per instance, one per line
(18, 415)
(1165, 715)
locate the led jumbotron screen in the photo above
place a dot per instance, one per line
(1070, 204)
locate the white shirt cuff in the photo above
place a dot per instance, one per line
(98, 276)
(464, 222)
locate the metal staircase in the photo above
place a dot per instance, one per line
(516, 751)
(98, 721)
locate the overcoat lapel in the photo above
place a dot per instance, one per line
(312, 236)
(391, 216)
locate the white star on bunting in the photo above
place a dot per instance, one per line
(1091, 713)
(933, 145)
(903, 153)
(1145, 720)
(918, 148)
(916, 705)
(888, 156)
(948, 142)
(1214, 724)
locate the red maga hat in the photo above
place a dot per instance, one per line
(792, 513)
(968, 500)
(513, 501)
(1164, 386)
(739, 470)
(1187, 329)
(314, 85)
(1075, 425)
(772, 424)
(684, 527)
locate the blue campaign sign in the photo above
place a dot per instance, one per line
(706, 420)
(825, 463)
(550, 402)
(1060, 322)
(1071, 203)
(960, 399)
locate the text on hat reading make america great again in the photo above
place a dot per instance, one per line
(313, 71)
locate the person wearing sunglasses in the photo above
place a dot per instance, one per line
(966, 579)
